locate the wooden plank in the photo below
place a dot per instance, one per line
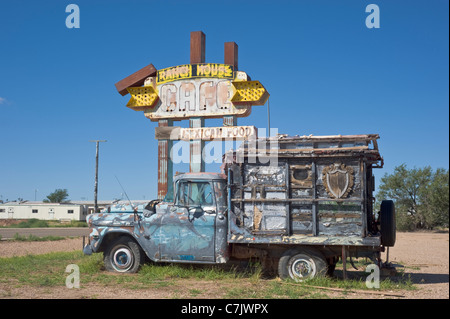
(293, 150)
(331, 138)
(197, 47)
(231, 54)
(135, 79)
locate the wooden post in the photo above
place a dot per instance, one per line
(197, 47)
(344, 262)
(231, 54)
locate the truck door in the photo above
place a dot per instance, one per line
(188, 227)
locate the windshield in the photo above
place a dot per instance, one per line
(195, 194)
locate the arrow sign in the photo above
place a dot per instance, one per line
(142, 97)
(249, 92)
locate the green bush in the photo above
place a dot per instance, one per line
(31, 223)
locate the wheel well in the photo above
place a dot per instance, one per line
(111, 237)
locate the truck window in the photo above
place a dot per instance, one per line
(195, 194)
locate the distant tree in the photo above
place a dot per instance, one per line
(420, 195)
(436, 199)
(58, 196)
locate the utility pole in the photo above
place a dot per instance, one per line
(96, 174)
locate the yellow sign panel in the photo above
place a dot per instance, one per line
(187, 71)
(142, 97)
(252, 92)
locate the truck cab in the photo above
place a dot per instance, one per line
(193, 226)
(190, 225)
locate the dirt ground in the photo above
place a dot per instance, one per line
(424, 255)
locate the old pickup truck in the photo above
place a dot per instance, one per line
(297, 203)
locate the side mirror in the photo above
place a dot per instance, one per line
(195, 212)
(148, 213)
(150, 208)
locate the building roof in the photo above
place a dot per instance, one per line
(75, 202)
(36, 203)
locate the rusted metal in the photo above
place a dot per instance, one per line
(165, 164)
(323, 196)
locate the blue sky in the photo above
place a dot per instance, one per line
(327, 73)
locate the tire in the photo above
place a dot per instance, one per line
(302, 264)
(387, 223)
(123, 255)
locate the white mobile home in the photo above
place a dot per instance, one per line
(43, 211)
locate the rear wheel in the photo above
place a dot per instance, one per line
(301, 264)
(123, 255)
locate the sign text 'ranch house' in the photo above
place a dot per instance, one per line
(187, 71)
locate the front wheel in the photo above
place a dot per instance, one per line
(124, 255)
(301, 265)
